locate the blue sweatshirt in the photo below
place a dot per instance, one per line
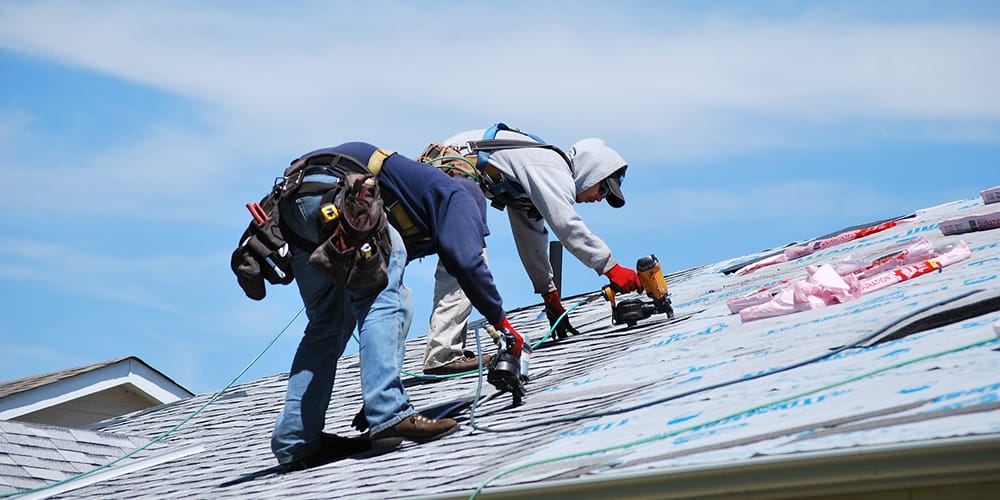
(450, 211)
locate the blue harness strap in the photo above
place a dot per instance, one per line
(502, 191)
(491, 133)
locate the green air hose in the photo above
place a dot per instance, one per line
(738, 380)
(219, 394)
(710, 423)
(475, 174)
(470, 372)
(163, 436)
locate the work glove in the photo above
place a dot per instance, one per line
(554, 310)
(515, 339)
(623, 279)
(360, 422)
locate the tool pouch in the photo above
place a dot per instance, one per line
(355, 245)
(263, 254)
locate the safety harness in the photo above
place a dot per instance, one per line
(501, 191)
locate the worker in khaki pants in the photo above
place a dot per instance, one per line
(546, 186)
(448, 326)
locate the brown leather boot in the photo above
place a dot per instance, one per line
(419, 428)
(460, 365)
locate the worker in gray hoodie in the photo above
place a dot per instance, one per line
(537, 186)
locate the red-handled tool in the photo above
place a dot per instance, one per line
(258, 213)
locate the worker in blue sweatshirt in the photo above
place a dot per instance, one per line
(443, 215)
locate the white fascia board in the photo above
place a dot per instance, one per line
(126, 372)
(155, 384)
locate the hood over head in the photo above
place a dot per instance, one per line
(594, 161)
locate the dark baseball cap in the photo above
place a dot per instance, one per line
(611, 188)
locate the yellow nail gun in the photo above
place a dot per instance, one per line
(629, 312)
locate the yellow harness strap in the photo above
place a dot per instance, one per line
(407, 228)
(376, 160)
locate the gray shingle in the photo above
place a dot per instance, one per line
(645, 374)
(45, 473)
(17, 482)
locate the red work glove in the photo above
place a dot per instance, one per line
(554, 310)
(504, 326)
(623, 278)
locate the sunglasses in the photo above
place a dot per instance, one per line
(604, 189)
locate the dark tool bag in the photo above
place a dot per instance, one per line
(263, 252)
(355, 227)
(354, 233)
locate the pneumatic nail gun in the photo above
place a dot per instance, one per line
(631, 311)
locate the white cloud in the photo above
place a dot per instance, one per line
(717, 84)
(263, 82)
(135, 279)
(168, 176)
(274, 82)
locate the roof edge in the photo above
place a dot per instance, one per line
(959, 463)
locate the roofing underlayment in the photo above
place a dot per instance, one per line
(897, 385)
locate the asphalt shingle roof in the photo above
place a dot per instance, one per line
(701, 390)
(34, 455)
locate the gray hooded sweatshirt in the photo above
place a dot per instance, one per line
(552, 188)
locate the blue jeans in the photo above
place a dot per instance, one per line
(383, 319)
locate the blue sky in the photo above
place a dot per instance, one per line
(132, 134)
